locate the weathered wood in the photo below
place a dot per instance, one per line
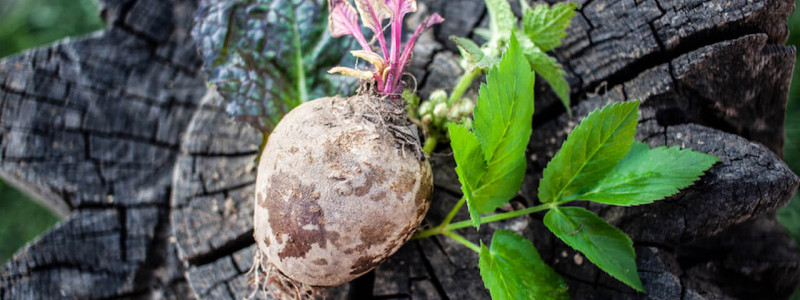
(633, 56)
(614, 41)
(92, 125)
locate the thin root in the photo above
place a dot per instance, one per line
(268, 279)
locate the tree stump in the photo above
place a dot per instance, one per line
(93, 126)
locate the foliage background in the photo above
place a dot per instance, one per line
(26, 24)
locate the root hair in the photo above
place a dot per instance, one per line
(268, 279)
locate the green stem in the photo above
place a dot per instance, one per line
(430, 144)
(444, 228)
(463, 241)
(463, 85)
(453, 212)
(500, 217)
(440, 229)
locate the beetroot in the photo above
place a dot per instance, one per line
(343, 182)
(341, 186)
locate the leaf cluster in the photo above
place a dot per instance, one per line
(541, 30)
(600, 161)
(267, 56)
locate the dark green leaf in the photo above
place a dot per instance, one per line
(268, 56)
(646, 175)
(604, 245)
(590, 152)
(546, 26)
(512, 269)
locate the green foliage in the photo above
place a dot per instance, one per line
(600, 161)
(605, 245)
(548, 68)
(477, 60)
(542, 29)
(502, 22)
(502, 126)
(268, 56)
(646, 175)
(512, 269)
(546, 26)
(473, 54)
(470, 165)
(21, 220)
(591, 151)
(26, 24)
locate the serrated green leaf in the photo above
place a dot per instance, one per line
(607, 247)
(268, 56)
(646, 175)
(591, 151)
(512, 269)
(473, 53)
(548, 68)
(503, 126)
(470, 165)
(546, 26)
(501, 20)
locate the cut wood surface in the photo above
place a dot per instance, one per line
(108, 128)
(92, 125)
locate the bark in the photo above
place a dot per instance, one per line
(94, 126)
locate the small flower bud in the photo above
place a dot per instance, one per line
(440, 110)
(453, 114)
(427, 119)
(426, 108)
(466, 106)
(438, 96)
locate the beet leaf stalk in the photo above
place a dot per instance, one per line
(388, 67)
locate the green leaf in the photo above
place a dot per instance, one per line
(548, 68)
(503, 127)
(546, 26)
(268, 56)
(473, 54)
(470, 165)
(501, 21)
(591, 151)
(646, 175)
(604, 245)
(513, 269)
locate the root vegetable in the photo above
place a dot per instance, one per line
(341, 185)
